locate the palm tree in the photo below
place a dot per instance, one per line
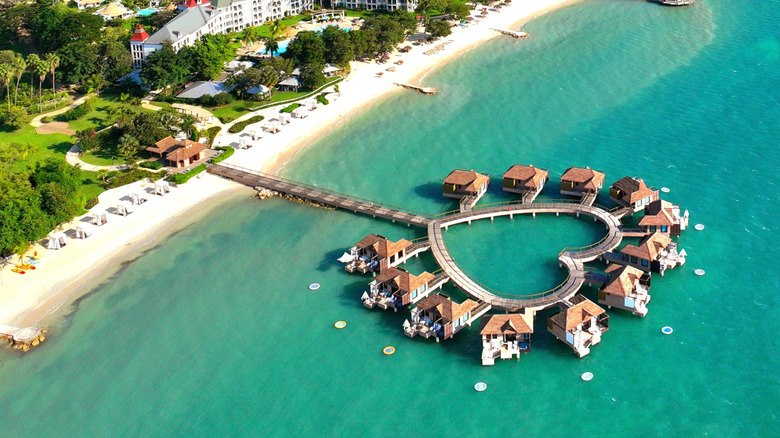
(277, 28)
(20, 66)
(42, 68)
(251, 34)
(6, 74)
(32, 64)
(52, 61)
(102, 174)
(271, 44)
(27, 149)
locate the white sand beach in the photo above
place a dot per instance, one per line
(60, 275)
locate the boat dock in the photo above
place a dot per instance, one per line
(423, 90)
(317, 195)
(22, 338)
(512, 33)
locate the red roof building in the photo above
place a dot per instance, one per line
(139, 35)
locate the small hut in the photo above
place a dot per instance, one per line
(524, 179)
(124, 208)
(505, 336)
(655, 253)
(375, 253)
(138, 197)
(632, 192)
(578, 181)
(627, 289)
(178, 153)
(84, 230)
(99, 217)
(395, 288)
(56, 240)
(440, 317)
(462, 183)
(580, 326)
(161, 187)
(663, 217)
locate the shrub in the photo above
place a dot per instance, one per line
(91, 202)
(156, 165)
(46, 119)
(181, 178)
(74, 113)
(222, 99)
(124, 178)
(227, 151)
(321, 99)
(238, 127)
(211, 133)
(289, 109)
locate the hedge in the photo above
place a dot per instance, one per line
(211, 133)
(91, 202)
(238, 127)
(156, 165)
(227, 151)
(321, 99)
(122, 179)
(290, 108)
(181, 178)
(75, 113)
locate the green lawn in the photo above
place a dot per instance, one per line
(100, 115)
(264, 30)
(49, 145)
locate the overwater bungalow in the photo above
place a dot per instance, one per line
(439, 317)
(579, 181)
(627, 289)
(663, 217)
(632, 193)
(178, 153)
(655, 253)
(505, 336)
(395, 287)
(580, 326)
(466, 185)
(375, 253)
(525, 180)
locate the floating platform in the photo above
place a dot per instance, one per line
(423, 90)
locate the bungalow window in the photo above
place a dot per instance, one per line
(457, 322)
(414, 294)
(633, 259)
(664, 228)
(644, 262)
(652, 228)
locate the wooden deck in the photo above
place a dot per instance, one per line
(308, 192)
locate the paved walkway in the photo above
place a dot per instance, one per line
(36, 121)
(72, 157)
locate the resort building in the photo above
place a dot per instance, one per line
(579, 181)
(655, 253)
(178, 153)
(114, 11)
(627, 289)
(395, 288)
(201, 17)
(375, 253)
(525, 180)
(505, 336)
(580, 326)
(439, 317)
(633, 193)
(466, 185)
(371, 5)
(84, 4)
(663, 217)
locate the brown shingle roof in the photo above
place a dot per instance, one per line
(648, 247)
(185, 150)
(528, 176)
(382, 246)
(658, 213)
(623, 280)
(404, 281)
(448, 309)
(470, 180)
(579, 175)
(632, 189)
(163, 145)
(513, 323)
(573, 316)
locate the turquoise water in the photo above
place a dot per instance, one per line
(146, 12)
(214, 332)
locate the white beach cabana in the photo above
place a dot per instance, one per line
(310, 104)
(161, 187)
(124, 208)
(284, 118)
(290, 84)
(99, 217)
(299, 113)
(84, 230)
(262, 90)
(138, 197)
(254, 134)
(330, 70)
(56, 240)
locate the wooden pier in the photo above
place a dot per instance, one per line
(512, 33)
(311, 193)
(423, 90)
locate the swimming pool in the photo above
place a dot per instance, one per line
(145, 12)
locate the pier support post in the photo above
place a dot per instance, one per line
(578, 214)
(446, 228)
(557, 213)
(491, 218)
(469, 221)
(511, 216)
(595, 219)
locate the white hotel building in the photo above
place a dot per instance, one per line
(199, 17)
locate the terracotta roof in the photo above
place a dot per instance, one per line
(404, 281)
(185, 150)
(658, 213)
(193, 3)
(592, 179)
(573, 316)
(382, 246)
(649, 247)
(139, 34)
(468, 178)
(632, 189)
(623, 280)
(448, 309)
(529, 176)
(163, 145)
(512, 323)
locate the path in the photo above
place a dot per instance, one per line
(73, 158)
(55, 127)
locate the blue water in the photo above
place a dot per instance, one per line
(214, 331)
(145, 12)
